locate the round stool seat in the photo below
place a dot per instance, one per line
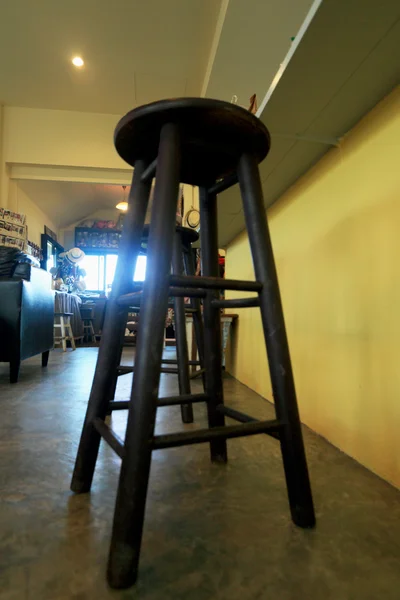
(214, 134)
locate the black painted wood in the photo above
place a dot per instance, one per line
(207, 143)
(214, 134)
(113, 332)
(180, 333)
(294, 458)
(135, 468)
(212, 322)
(213, 434)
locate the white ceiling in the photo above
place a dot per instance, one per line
(67, 203)
(254, 40)
(135, 52)
(139, 51)
(345, 63)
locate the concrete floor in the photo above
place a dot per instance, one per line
(211, 531)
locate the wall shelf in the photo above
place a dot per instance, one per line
(343, 61)
(99, 240)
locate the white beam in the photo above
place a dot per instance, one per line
(214, 45)
(74, 174)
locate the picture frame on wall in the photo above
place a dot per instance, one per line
(50, 233)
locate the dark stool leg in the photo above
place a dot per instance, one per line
(182, 353)
(212, 322)
(294, 459)
(14, 370)
(113, 332)
(195, 304)
(45, 358)
(135, 468)
(114, 378)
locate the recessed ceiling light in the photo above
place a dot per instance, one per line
(77, 61)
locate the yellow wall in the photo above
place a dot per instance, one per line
(336, 237)
(36, 219)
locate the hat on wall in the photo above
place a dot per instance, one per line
(75, 255)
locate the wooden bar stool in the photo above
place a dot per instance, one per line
(211, 144)
(64, 324)
(86, 313)
(182, 263)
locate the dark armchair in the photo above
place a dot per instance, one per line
(26, 313)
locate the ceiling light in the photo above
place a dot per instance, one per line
(77, 61)
(123, 205)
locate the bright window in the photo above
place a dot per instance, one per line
(100, 270)
(51, 257)
(140, 271)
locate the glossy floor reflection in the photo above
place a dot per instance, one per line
(211, 531)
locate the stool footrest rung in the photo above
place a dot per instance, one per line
(173, 361)
(123, 370)
(181, 292)
(223, 184)
(243, 418)
(167, 401)
(236, 303)
(150, 171)
(109, 436)
(214, 283)
(196, 374)
(171, 440)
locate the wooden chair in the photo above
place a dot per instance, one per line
(64, 324)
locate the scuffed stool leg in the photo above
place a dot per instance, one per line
(45, 358)
(133, 482)
(212, 323)
(114, 377)
(294, 459)
(14, 370)
(182, 353)
(196, 304)
(113, 331)
(63, 340)
(71, 334)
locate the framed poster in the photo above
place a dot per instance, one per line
(50, 233)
